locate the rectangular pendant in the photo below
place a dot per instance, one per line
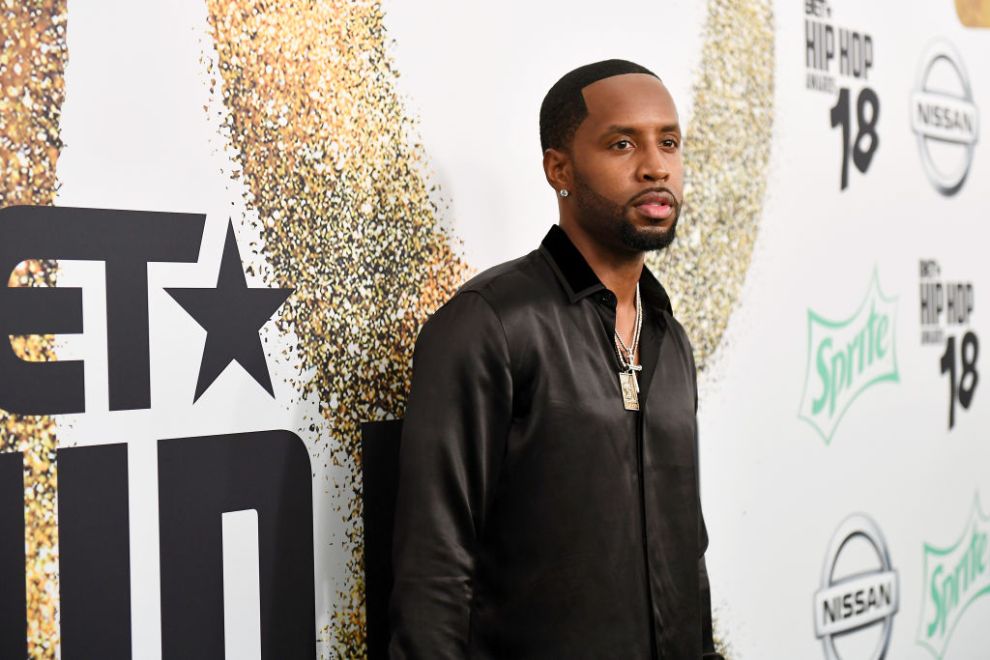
(630, 398)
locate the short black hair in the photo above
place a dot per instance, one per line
(563, 107)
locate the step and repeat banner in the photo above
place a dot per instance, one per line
(223, 222)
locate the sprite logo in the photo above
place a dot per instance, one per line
(954, 578)
(847, 357)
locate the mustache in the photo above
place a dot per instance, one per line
(676, 203)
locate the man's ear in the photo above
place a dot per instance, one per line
(557, 167)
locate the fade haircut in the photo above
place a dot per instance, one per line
(563, 107)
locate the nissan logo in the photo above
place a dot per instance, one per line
(846, 604)
(944, 118)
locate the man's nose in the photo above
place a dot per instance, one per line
(653, 166)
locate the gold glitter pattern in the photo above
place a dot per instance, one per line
(974, 13)
(726, 161)
(345, 217)
(32, 62)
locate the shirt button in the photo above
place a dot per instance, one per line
(608, 298)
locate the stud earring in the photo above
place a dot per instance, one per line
(563, 192)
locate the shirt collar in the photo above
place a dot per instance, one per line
(580, 281)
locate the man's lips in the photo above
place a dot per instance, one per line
(655, 205)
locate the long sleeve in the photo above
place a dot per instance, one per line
(704, 587)
(705, 598)
(453, 439)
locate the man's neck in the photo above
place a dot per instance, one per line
(619, 272)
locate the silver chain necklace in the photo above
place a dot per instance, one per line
(627, 378)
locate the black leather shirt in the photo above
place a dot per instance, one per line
(536, 517)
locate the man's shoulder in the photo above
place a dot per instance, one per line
(497, 295)
(678, 334)
(487, 304)
(520, 281)
(677, 327)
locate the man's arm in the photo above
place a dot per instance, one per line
(704, 587)
(705, 598)
(453, 439)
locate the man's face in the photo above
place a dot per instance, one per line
(627, 168)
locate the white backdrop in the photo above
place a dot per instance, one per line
(144, 128)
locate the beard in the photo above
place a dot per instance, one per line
(607, 220)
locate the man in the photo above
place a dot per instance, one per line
(548, 499)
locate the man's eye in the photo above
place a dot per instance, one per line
(669, 143)
(622, 144)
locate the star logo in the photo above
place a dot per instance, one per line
(232, 314)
